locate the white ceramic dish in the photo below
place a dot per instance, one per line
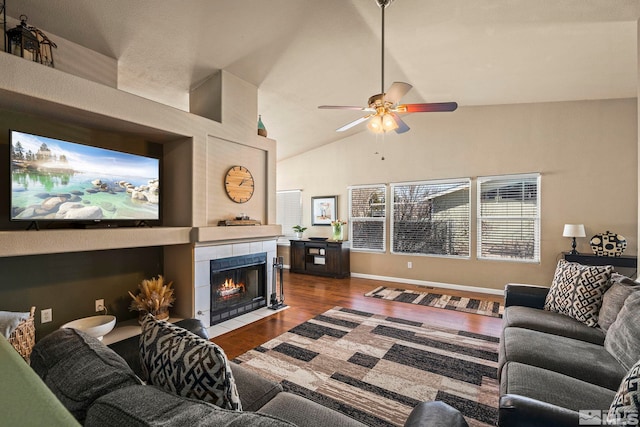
(96, 326)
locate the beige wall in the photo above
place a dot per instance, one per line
(587, 153)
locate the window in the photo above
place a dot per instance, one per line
(509, 217)
(289, 210)
(367, 217)
(431, 218)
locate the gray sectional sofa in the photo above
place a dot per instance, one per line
(101, 386)
(555, 370)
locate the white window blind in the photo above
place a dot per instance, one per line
(509, 217)
(289, 210)
(431, 218)
(367, 217)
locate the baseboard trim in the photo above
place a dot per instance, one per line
(430, 284)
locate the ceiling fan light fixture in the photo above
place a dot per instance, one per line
(375, 124)
(389, 123)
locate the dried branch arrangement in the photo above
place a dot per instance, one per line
(154, 297)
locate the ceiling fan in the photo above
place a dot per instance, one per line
(384, 108)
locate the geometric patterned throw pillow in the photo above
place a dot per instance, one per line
(183, 363)
(577, 290)
(625, 408)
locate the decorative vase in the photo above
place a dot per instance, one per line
(298, 234)
(608, 244)
(262, 131)
(337, 232)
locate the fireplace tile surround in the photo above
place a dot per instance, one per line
(207, 251)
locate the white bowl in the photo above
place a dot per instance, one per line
(96, 326)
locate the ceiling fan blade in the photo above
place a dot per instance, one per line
(426, 108)
(402, 126)
(340, 107)
(353, 123)
(396, 91)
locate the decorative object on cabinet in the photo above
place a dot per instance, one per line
(608, 244)
(29, 42)
(239, 184)
(337, 230)
(324, 210)
(573, 231)
(154, 297)
(230, 222)
(322, 258)
(298, 229)
(262, 131)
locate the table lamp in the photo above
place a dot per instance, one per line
(573, 231)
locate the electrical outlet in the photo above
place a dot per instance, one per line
(100, 305)
(409, 264)
(46, 315)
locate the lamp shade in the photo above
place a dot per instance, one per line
(573, 230)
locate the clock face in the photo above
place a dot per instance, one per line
(239, 184)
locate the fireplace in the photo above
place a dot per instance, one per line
(238, 286)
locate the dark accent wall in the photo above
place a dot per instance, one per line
(70, 283)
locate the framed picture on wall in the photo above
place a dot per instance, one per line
(324, 210)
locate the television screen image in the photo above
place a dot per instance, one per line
(54, 180)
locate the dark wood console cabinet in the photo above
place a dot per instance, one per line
(328, 258)
(624, 261)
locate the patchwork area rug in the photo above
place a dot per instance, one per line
(376, 368)
(485, 307)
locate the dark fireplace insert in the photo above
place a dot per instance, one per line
(238, 286)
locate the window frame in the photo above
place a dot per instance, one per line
(383, 219)
(461, 181)
(537, 220)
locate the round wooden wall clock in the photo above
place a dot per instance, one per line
(239, 184)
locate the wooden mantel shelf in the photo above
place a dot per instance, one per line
(249, 232)
(20, 243)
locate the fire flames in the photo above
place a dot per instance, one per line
(230, 288)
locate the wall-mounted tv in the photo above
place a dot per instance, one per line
(55, 180)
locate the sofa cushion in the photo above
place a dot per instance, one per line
(79, 369)
(577, 290)
(623, 336)
(185, 364)
(304, 412)
(553, 387)
(578, 359)
(551, 323)
(144, 406)
(254, 389)
(612, 303)
(625, 408)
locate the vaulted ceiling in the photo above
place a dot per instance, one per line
(304, 53)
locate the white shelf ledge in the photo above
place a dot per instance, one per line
(20, 243)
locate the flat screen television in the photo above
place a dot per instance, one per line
(55, 180)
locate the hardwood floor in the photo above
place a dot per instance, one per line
(307, 296)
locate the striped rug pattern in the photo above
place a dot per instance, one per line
(376, 368)
(485, 307)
